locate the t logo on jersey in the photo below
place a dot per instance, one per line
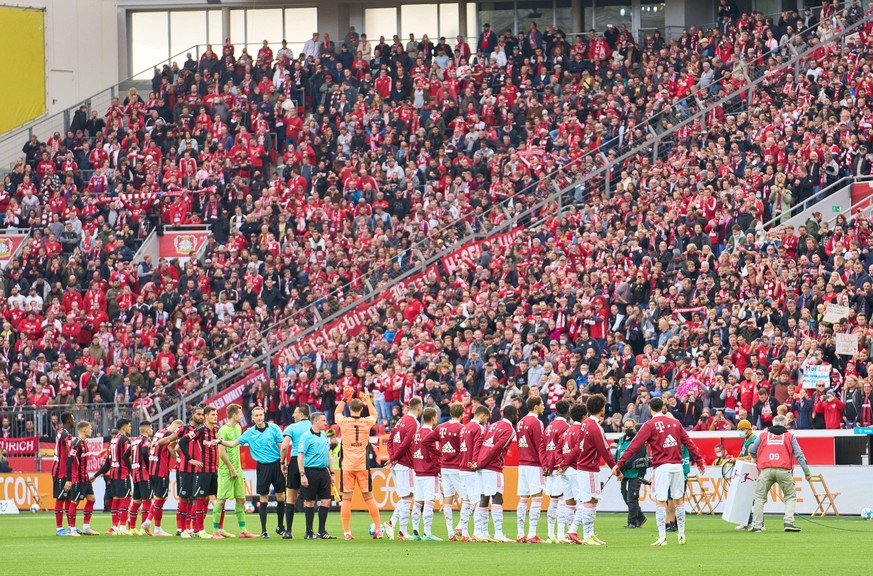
(659, 426)
(669, 441)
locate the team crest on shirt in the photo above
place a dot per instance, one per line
(670, 442)
(448, 449)
(522, 442)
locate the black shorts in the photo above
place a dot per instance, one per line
(58, 492)
(185, 485)
(293, 481)
(319, 484)
(81, 490)
(142, 490)
(269, 475)
(160, 487)
(205, 484)
(120, 488)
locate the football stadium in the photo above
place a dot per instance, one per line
(377, 282)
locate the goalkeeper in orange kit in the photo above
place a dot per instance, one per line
(354, 464)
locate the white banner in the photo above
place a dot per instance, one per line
(812, 375)
(834, 313)
(847, 344)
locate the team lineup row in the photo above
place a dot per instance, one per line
(460, 464)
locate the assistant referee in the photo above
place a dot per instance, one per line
(313, 462)
(264, 440)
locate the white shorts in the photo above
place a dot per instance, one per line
(471, 486)
(530, 480)
(404, 480)
(586, 486)
(427, 488)
(490, 482)
(453, 484)
(558, 485)
(668, 480)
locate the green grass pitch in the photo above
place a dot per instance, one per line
(28, 546)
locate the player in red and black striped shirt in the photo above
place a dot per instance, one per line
(199, 448)
(59, 470)
(162, 458)
(139, 471)
(185, 475)
(119, 474)
(78, 484)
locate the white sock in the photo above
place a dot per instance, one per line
(86, 526)
(577, 519)
(520, 513)
(551, 516)
(536, 507)
(466, 510)
(447, 514)
(497, 518)
(589, 512)
(395, 518)
(403, 520)
(680, 520)
(482, 522)
(661, 519)
(561, 518)
(416, 516)
(428, 517)
(569, 516)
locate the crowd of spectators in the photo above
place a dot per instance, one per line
(317, 175)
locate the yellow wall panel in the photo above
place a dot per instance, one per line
(22, 41)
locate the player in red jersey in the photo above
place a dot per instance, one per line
(489, 464)
(586, 482)
(199, 448)
(78, 485)
(426, 463)
(185, 475)
(531, 447)
(665, 437)
(449, 434)
(471, 441)
(119, 475)
(162, 456)
(59, 471)
(569, 454)
(139, 472)
(401, 464)
(557, 485)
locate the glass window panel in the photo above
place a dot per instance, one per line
(187, 28)
(501, 15)
(472, 24)
(263, 25)
(651, 18)
(450, 22)
(615, 12)
(418, 19)
(215, 34)
(380, 22)
(237, 29)
(564, 18)
(540, 12)
(300, 23)
(149, 42)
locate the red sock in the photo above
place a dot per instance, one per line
(158, 512)
(181, 515)
(60, 506)
(202, 506)
(89, 507)
(221, 521)
(71, 514)
(146, 509)
(115, 505)
(132, 514)
(122, 511)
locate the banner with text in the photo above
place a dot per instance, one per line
(233, 394)
(20, 446)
